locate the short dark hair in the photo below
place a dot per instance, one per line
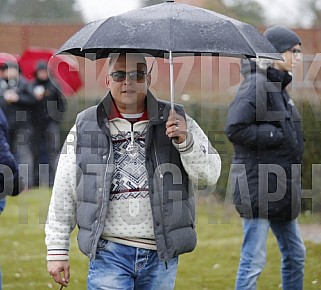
(115, 56)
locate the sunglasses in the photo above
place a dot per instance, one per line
(135, 75)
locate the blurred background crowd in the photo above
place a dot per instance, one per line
(34, 109)
(31, 31)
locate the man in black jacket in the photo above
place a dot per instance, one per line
(264, 126)
(9, 177)
(47, 115)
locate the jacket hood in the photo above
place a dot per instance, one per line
(249, 67)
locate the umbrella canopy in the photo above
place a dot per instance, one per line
(61, 67)
(169, 27)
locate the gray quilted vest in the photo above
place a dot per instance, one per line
(171, 192)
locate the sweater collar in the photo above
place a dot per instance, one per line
(114, 113)
(107, 109)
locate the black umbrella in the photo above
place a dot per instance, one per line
(167, 28)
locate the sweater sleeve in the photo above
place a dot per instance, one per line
(200, 160)
(61, 218)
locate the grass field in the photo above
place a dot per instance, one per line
(211, 266)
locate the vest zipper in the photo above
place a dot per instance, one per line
(102, 205)
(157, 162)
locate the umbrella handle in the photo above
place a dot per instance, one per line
(171, 77)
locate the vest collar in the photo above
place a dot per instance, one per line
(155, 110)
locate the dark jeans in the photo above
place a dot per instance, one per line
(20, 140)
(46, 151)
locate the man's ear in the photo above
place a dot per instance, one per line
(149, 79)
(107, 82)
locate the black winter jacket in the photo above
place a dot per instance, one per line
(51, 107)
(264, 126)
(9, 177)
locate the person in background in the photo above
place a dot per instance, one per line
(10, 182)
(265, 128)
(124, 177)
(17, 101)
(46, 116)
(3, 84)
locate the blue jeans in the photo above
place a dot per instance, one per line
(253, 255)
(2, 205)
(127, 268)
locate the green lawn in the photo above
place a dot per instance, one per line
(211, 266)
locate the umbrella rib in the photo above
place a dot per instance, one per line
(250, 45)
(247, 42)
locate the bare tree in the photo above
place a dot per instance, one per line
(248, 11)
(312, 8)
(35, 11)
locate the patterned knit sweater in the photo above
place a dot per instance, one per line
(129, 219)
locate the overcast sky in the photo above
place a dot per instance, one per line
(285, 12)
(277, 11)
(98, 9)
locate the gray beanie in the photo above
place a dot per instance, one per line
(282, 38)
(41, 65)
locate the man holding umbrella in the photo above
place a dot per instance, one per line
(129, 177)
(124, 177)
